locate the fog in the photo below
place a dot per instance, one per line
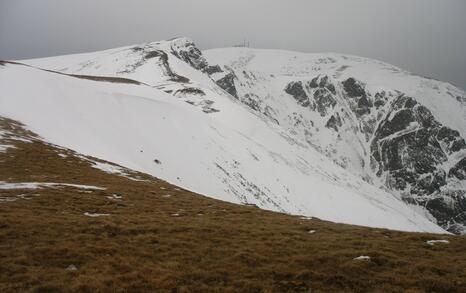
(427, 37)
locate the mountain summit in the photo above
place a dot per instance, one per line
(338, 137)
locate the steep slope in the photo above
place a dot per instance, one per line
(394, 130)
(70, 223)
(231, 154)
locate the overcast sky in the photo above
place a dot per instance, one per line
(427, 37)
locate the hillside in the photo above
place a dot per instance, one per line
(230, 154)
(334, 132)
(73, 223)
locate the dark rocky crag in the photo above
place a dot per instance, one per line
(409, 150)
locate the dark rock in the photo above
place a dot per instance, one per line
(270, 112)
(396, 147)
(459, 170)
(331, 88)
(228, 84)
(360, 101)
(363, 102)
(209, 110)
(379, 103)
(190, 54)
(451, 139)
(353, 88)
(334, 122)
(380, 99)
(409, 147)
(252, 101)
(324, 100)
(137, 49)
(296, 89)
(448, 210)
(211, 69)
(457, 145)
(314, 82)
(322, 82)
(152, 54)
(429, 183)
(168, 71)
(190, 91)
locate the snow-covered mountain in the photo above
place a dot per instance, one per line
(337, 137)
(394, 129)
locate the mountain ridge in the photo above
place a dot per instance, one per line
(214, 83)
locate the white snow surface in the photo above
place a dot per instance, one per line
(232, 155)
(95, 215)
(362, 257)
(432, 242)
(6, 136)
(36, 185)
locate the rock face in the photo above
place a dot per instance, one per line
(227, 83)
(459, 170)
(185, 50)
(296, 90)
(410, 149)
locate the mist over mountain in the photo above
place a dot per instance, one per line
(423, 36)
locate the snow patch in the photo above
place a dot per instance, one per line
(362, 257)
(94, 215)
(115, 196)
(71, 268)
(432, 242)
(36, 185)
(113, 169)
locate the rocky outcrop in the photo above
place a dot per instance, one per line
(227, 83)
(334, 122)
(459, 170)
(319, 88)
(323, 100)
(187, 51)
(296, 90)
(410, 150)
(355, 90)
(322, 82)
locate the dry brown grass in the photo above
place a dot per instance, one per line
(212, 246)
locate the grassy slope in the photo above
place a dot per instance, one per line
(188, 242)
